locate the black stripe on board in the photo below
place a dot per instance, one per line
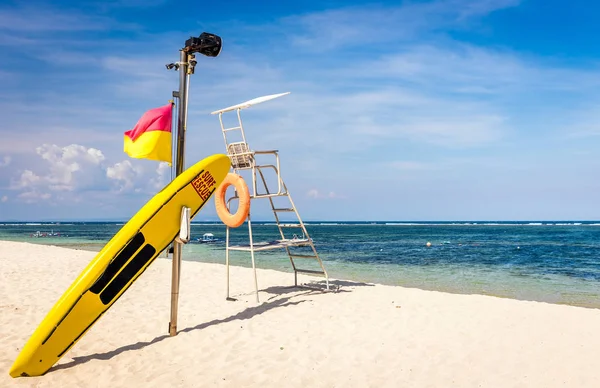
(80, 334)
(118, 262)
(120, 281)
(62, 319)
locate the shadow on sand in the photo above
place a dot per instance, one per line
(248, 313)
(315, 287)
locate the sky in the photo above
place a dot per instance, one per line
(399, 110)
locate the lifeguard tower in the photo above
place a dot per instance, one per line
(293, 236)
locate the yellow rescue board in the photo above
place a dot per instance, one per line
(118, 265)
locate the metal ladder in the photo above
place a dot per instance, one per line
(243, 158)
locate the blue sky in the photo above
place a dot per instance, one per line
(415, 110)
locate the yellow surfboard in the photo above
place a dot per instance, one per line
(118, 265)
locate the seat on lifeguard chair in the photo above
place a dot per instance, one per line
(240, 154)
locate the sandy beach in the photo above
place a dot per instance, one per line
(365, 335)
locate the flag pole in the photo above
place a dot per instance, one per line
(179, 167)
(209, 45)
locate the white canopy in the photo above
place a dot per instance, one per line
(249, 103)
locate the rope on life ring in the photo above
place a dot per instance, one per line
(237, 219)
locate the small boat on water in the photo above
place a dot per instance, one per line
(207, 238)
(45, 234)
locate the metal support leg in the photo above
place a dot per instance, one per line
(252, 255)
(182, 238)
(176, 272)
(227, 259)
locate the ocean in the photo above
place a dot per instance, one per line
(546, 261)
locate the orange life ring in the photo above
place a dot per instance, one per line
(237, 219)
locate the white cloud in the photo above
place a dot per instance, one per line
(28, 179)
(313, 193)
(125, 174)
(364, 25)
(134, 176)
(73, 166)
(470, 8)
(70, 154)
(69, 169)
(40, 19)
(162, 177)
(34, 196)
(77, 173)
(465, 68)
(5, 161)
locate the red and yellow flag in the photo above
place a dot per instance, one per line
(151, 136)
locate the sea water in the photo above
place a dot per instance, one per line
(555, 262)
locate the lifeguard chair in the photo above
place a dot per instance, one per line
(243, 158)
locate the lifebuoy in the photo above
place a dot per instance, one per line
(237, 219)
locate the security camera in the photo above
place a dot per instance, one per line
(206, 44)
(172, 66)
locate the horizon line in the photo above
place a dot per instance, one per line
(304, 221)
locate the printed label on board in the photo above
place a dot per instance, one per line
(203, 184)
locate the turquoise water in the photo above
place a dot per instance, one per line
(556, 262)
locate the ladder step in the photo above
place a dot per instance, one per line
(309, 271)
(231, 129)
(303, 256)
(290, 225)
(288, 209)
(283, 194)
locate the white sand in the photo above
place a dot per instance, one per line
(362, 336)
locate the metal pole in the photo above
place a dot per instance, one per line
(227, 258)
(252, 256)
(179, 167)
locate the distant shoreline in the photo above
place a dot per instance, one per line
(335, 222)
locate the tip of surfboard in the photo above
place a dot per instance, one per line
(18, 368)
